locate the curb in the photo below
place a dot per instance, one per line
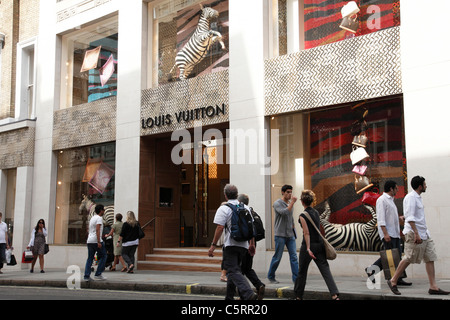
(197, 289)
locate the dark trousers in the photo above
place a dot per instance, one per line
(233, 258)
(247, 270)
(128, 253)
(2, 254)
(321, 262)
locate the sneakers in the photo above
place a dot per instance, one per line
(99, 278)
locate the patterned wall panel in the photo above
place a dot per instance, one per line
(200, 101)
(17, 148)
(363, 67)
(86, 124)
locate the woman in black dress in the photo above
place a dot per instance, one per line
(312, 249)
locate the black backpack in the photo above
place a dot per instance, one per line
(260, 233)
(242, 227)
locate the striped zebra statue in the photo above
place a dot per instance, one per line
(195, 50)
(89, 205)
(352, 236)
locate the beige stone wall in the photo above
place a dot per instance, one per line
(19, 21)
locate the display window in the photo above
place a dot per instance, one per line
(90, 63)
(326, 21)
(345, 155)
(190, 38)
(86, 177)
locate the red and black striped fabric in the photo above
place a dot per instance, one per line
(323, 17)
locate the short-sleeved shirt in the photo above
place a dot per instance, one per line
(3, 230)
(95, 220)
(223, 218)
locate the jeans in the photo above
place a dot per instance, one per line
(101, 256)
(280, 242)
(2, 254)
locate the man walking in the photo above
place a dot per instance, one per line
(284, 233)
(418, 244)
(234, 251)
(96, 245)
(388, 225)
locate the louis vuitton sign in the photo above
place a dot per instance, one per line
(183, 116)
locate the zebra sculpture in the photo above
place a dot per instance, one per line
(89, 205)
(195, 50)
(352, 236)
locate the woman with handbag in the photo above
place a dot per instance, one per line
(312, 248)
(38, 245)
(129, 237)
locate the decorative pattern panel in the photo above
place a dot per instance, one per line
(17, 148)
(86, 124)
(360, 68)
(199, 101)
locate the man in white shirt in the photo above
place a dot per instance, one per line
(3, 242)
(388, 225)
(234, 251)
(96, 245)
(418, 244)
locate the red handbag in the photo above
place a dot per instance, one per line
(370, 198)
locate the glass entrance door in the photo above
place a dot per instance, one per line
(202, 184)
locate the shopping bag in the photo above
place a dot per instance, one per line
(390, 259)
(27, 256)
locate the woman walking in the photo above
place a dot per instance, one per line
(130, 240)
(116, 230)
(312, 249)
(37, 244)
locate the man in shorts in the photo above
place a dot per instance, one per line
(418, 244)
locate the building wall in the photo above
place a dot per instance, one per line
(425, 68)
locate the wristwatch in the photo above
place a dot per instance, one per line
(213, 244)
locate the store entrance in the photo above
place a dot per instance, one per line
(202, 184)
(180, 200)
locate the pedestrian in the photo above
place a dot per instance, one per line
(96, 245)
(312, 248)
(388, 226)
(130, 240)
(116, 229)
(234, 251)
(247, 264)
(4, 242)
(419, 246)
(284, 232)
(37, 244)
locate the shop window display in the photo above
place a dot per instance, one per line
(90, 64)
(85, 178)
(175, 22)
(322, 19)
(324, 161)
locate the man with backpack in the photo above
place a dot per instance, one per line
(238, 240)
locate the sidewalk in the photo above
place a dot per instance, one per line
(351, 288)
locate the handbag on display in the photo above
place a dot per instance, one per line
(360, 140)
(360, 169)
(350, 9)
(358, 155)
(350, 24)
(330, 251)
(370, 198)
(362, 183)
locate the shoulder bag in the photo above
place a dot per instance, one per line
(329, 249)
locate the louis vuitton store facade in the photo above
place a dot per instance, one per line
(278, 99)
